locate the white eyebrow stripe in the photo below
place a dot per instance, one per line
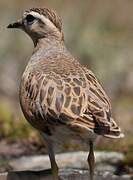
(43, 18)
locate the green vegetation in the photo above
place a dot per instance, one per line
(12, 128)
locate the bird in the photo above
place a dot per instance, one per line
(59, 97)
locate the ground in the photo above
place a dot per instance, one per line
(73, 166)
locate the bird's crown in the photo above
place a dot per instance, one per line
(49, 14)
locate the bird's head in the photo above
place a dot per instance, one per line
(40, 23)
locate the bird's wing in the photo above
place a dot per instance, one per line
(100, 108)
(76, 100)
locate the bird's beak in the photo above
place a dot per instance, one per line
(17, 24)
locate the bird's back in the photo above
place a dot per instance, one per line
(56, 89)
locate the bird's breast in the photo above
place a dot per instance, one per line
(29, 94)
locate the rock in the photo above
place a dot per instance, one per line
(65, 174)
(64, 160)
(111, 157)
(73, 166)
(104, 167)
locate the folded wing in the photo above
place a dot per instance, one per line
(76, 101)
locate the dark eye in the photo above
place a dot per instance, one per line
(30, 18)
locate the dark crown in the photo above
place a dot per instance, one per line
(50, 14)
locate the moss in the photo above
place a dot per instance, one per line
(12, 127)
(129, 158)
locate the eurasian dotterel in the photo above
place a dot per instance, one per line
(60, 97)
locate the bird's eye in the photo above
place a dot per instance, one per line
(30, 18)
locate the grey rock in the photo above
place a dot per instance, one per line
(73, 166)
(64, 160)
(104, 167)
(65, 174)
(111, 157)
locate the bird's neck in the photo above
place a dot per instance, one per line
(47, 47)
(46, 43)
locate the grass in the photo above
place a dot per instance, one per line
(12, 127)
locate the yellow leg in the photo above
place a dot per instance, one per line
(91, 161)
(54, 166)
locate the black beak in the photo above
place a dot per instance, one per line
(17, 24)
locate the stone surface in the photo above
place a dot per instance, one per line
(73, 166)
(65, 174)
(64, 160)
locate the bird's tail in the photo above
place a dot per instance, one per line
(115, 131)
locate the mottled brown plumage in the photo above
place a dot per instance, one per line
(59, 96)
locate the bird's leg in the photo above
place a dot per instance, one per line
(91, 161)
(50, 149)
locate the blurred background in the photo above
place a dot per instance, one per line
(100, 34)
